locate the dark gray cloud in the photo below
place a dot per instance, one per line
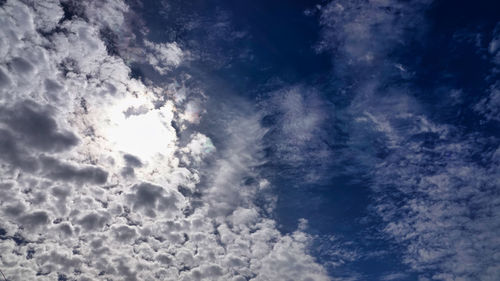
(21, 65)
(35, 127)
(132, 160)
(93, 221)
(73, 10)
(149, 198)
(11, 153)
(52, 86)
(60, 171)
(66, 229)
(34, 219)
(4, 79)
(128, 172)
(15, 209)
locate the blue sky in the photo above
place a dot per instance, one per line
(250, 140)
(425, 55)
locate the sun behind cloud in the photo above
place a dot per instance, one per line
(136, 128)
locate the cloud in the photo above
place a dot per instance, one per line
(488, 106)
(13, 154)
(35, 219)
(81, 201)
(198, 148)
(36, 128)
(394, 276)
(494, 45)
(150, 198)
(286, 262)
(434, 183)
(163, 56)
(207, 35)
(57, 170)
(125, 233)
(92, 221)
(362, 37)
(299, 121)
(131, 162)
(439, 199)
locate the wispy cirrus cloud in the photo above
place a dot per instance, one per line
(434, 183)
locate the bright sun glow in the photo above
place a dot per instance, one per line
(141, 130)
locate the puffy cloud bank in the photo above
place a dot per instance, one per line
(95, 182)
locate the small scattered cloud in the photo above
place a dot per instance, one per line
(435, 198)
(163, 56)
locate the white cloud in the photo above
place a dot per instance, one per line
(163, 56)
(394, 276)
(494, 45)
(92, 186)
(434, 199)
(363, 31)
(299, 120)
(198, 148)
(489, 106)
(435, 185)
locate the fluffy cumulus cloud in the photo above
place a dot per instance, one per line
(95, 181)
(435, 184)
(163, 56)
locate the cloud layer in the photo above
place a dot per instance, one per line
(96, 183)
(434, 182)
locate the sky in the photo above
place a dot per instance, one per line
(263, 140)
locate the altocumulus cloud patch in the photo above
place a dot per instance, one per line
(83, 198)
(435, 182)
